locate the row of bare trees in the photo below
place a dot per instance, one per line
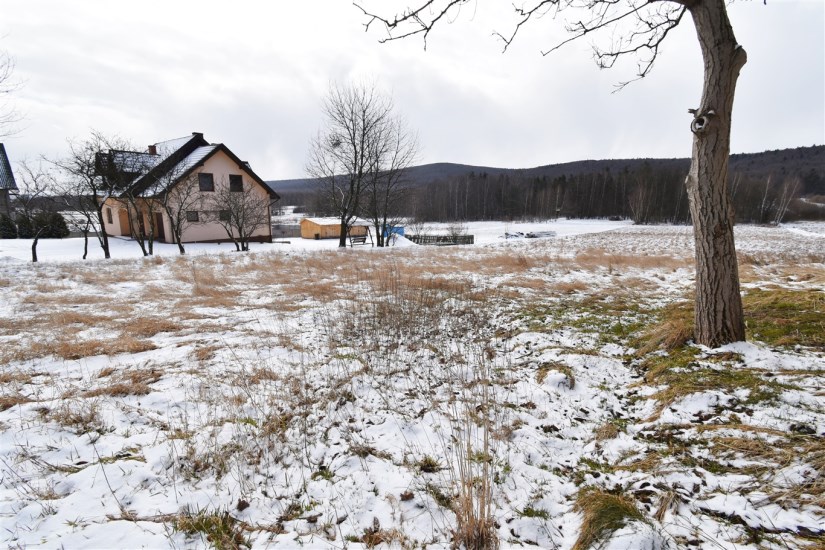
(645, 194)
(360, 157)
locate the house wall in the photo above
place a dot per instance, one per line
(114, 228)
(220, 166)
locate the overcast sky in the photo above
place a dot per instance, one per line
(252, 74)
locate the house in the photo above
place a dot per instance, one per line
(330, 228)
(179, 184)
(7, 183)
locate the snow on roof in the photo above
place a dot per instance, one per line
(166, 148)
(195, 157)
(6, 175)
(177, 170)
(335, 221)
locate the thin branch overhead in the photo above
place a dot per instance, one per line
(630, 28)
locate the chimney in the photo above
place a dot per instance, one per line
(153, 150)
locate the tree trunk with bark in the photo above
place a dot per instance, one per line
(718, 316)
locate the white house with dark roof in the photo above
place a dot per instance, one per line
(7, 183)
(157, 176)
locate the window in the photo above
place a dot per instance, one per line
(224, 215)
(109, 215)
(192, 216)
(206, 182)
(235, 183)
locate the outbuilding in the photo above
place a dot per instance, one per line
(330, 228)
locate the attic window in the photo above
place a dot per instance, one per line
(192, 216)
(206, 182)
(235, 183)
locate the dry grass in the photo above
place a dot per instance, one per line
(220, 529)
(606, 431)
(73, 350)
(78, 416)
(598, 258)
(673, 329)
(786, 317)
(205, 352)
(603, 514)
(14, 377)
(545, 368)
(130, 382)
(9, 401)
(569, 287)
(146, 327)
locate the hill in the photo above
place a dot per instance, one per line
(800, 160)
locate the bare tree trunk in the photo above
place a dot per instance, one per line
(102, 235)
(34, 249)
(718, 315)
(342, 237)
(85, 243)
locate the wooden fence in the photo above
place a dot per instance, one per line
(441, 240)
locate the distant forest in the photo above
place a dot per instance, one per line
(766, 188)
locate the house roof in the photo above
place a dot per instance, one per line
(335, 221)
(6, 175)
(168, 162)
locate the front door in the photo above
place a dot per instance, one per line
(161, 233)
(125, 224)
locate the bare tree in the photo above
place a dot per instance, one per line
(33, 205)
(8, 116)
(119, 166)
(787, 194)
(639, 28)
(179, 200)
(241, 211)
(82, 173)
(83, 214)
(343, 156)
(395, 150)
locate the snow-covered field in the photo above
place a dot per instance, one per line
(302, 396)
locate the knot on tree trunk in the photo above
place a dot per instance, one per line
(701, 121)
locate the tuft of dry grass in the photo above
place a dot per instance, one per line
(569, 287)
(9, 401)
(603, 514)
(545, 368)
(131, 382)
(606, 431)
(78, 416)
(673, 329)
(146, 327)
(220, 529)
(205, 352)
(73, 350)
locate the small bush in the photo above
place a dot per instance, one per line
(7, 228)
(25, 228)
(51, 225)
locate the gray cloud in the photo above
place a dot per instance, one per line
(253, 75)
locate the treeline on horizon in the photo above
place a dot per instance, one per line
(645, 194)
